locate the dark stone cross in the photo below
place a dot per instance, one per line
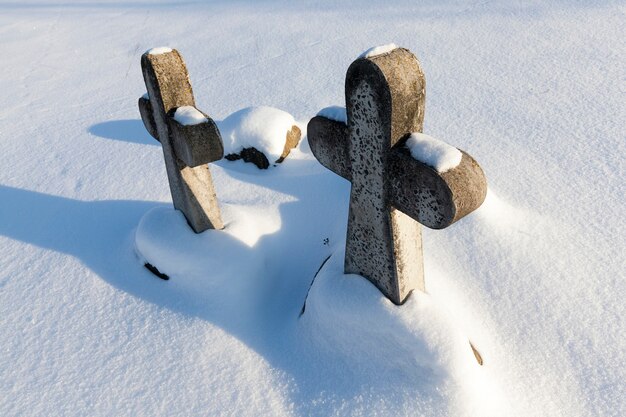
(392, 193)
(189, 146)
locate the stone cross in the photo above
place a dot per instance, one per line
(188, 146)
(391, 191)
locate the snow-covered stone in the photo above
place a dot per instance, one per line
(433, 152)
(262, 135)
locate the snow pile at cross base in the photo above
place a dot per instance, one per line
(419, 344)
(347, 316)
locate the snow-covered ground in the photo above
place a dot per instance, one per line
(535, 278)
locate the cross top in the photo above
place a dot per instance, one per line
(190, 139)
(392, 192)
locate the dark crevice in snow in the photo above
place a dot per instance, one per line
(156, 272)
(312, 281)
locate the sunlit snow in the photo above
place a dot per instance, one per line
(159, 50)
(189, 115)
(336, 113)
(434, 152)
(378, 50)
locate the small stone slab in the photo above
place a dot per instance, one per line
(391, 190)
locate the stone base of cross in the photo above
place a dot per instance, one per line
(392, 191)
(190, 139)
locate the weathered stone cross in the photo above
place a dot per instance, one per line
(391, 191)
(190, 139)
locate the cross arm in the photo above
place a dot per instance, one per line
(145, 110)
(435, 199)
(195, 144)
(328, 140)
(169, 90)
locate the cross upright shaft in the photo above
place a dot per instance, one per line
(391, 191)
(374, 247)
(186, 149)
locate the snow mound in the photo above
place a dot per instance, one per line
(263, 128)
(378, 50)
(336, 113)
(347, 315)
(159, 50)
(225, 257)
(433, 152)
(189, 115)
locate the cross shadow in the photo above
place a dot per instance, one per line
(101, 235)
(130, 130)
(98, 233)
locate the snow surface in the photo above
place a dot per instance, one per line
(159, 50)
(348, 317)
(264, 128)
(189, 115)
(534, 278)
(378, 50)
(433, 152)
(336, 113)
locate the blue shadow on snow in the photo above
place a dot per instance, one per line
(130, 130)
